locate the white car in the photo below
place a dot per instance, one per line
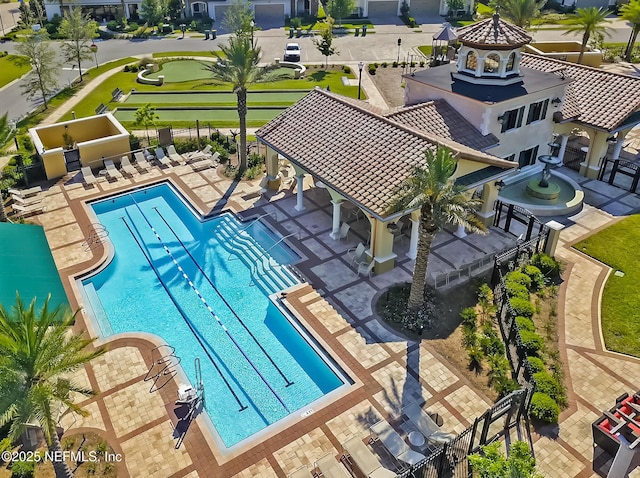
(292, 52)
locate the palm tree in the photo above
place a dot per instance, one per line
(36, 353)
(5, 133)
(520, 12)
(237, 64)
(432, 189)
(631, 13)
(588, 21)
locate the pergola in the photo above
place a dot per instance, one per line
(361, 156)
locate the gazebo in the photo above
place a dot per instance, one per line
(442, 49)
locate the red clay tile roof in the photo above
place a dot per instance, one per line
(359, 153)
(595, 97)
(439, 118)
(494, 33)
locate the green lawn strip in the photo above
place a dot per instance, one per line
(181, 70)
(207, 115)
(617, 246)
(426, 49)
(166, 54)
(213, 98)
(9, 71)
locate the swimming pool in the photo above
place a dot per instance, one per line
(203, 287)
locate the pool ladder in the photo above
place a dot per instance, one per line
(97, 235)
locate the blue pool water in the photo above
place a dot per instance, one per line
(233, 268)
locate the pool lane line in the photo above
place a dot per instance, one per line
(214, 315)
(193, 331)
(284, 377)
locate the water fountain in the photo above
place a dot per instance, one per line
(545, 189)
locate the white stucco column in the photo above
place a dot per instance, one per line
(617, 149)
(460, 232)
(413, 242)
(335, 232)
(300, 194)
(563, 146)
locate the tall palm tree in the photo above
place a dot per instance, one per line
(5, 133)
(36, 352)
(588, 21)
(237, 64)
(432, 189)
(631, 13)
(520, 12)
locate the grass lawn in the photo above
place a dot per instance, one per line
(126, 81)
(165, 54)
(223, 118)
(617, 246)
(426, 49)
(9, 71)
(211, 98)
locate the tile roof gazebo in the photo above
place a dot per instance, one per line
(362, 156)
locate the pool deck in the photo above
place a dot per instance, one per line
(391, 372)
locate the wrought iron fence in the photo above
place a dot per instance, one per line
(573, 157)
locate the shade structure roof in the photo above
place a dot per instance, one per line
(493, 33)
(357, 152)
(27, 267)
(446, 34)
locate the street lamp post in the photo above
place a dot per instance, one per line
(360, 67)
(1, 24)
(94, 49)
(253, 24)
(399, 43)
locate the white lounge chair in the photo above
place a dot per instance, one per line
(344, 231)
(112, 171)
(141, 161)
(87, 175)
(365, 460)
(330, 467)
(302, 472)
(162, 157)
(174, 155)
(26, 210)
(126, 166)
(393, 442)
(366, 269)
(206, 163)
(25, 193)
(357, 254)
(25, 201)
(425, 425)
(202, 154)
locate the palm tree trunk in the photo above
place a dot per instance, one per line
(79, 65)
(60, 467)
(242, 114)
(426, 233)
(583, 46)
(632, 42)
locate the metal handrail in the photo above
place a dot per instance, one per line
(272, 214)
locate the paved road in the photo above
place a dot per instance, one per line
(379, 46)
(9, 16)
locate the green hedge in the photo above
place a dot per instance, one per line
(536, 364)
(515, 289)
(545, 383)
(536, 276)
(532, 342)
(544, 408)
(525, 323)
(519, 278)
(522, 307)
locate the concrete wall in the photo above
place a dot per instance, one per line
(92, 152)
(54, 164)
(566, 50)
(81, 130)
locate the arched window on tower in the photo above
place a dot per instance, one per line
(472, 61)
(492, 63)
(511, 61)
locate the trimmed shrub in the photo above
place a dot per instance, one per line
(525, 323)
(491, 344)
(515, 289)
(372, 69)
(545, 383)
(536, 364)
(536, 275)
(522, 307)
(544, 408)
(519, 278)
(547, 264)
(469, 317)
(531, 341)
(23, 469)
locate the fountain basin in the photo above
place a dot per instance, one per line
(549, 193)
(569, 197)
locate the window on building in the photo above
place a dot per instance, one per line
(472, 61)
(512, 119)
(537, 111)
(527, 157)
(492, 63)
(511, 62)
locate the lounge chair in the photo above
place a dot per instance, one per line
(126, 166)
(425, 425)
(330, 467)
(357, 254)
(162, 157)
(393, 442)
(87, 175)
(112, 171)
(26, 210)
(25, 201)
(25, 193)
(344, 231)
(202, 154)
(302, 472)
(174, 155)
(206, 163)
(141, 161)
(366, 269)
(365, 460)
